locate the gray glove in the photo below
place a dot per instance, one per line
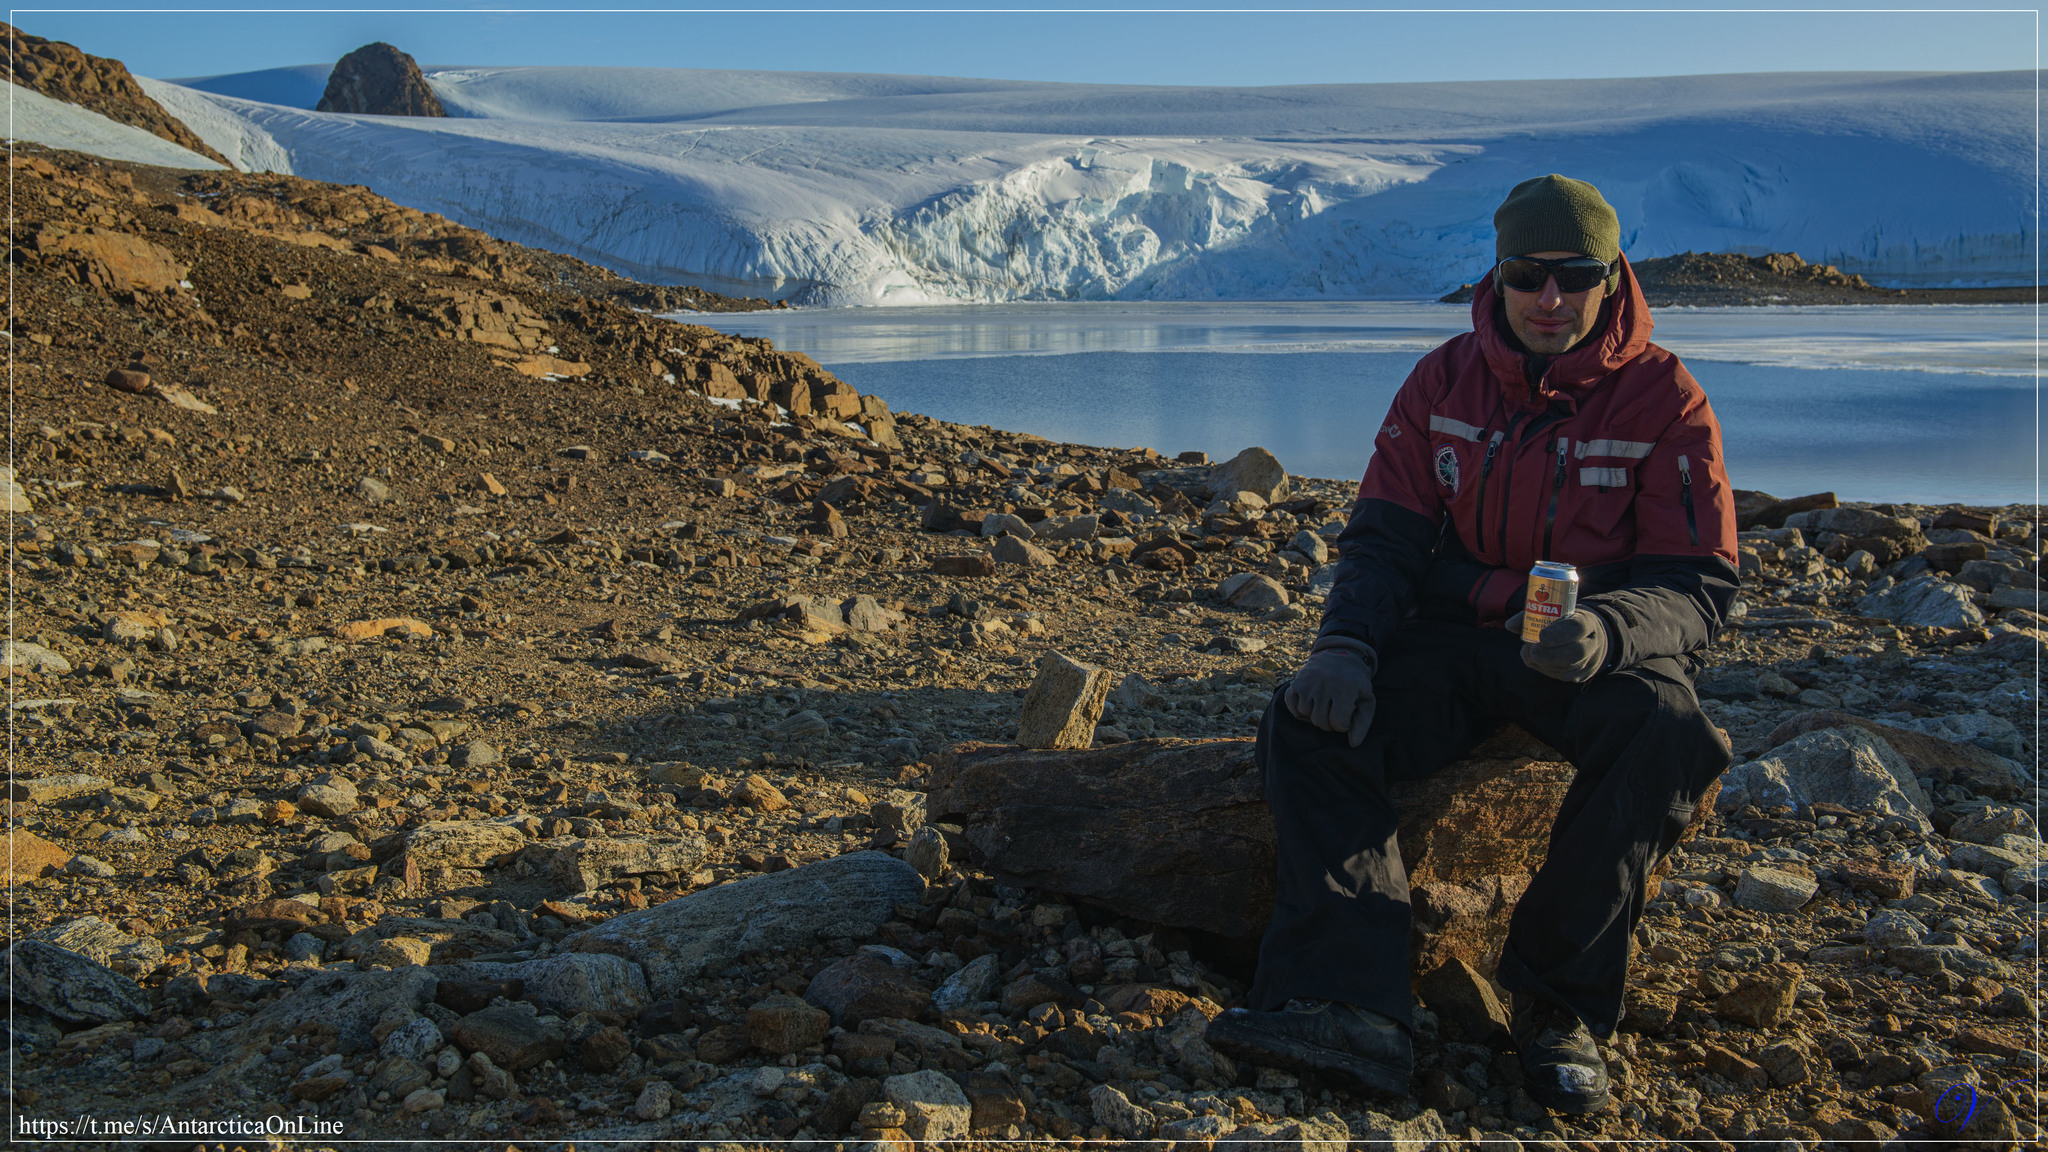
(1572, 649)
(1333, 691)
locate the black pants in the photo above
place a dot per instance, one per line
(1644, 752)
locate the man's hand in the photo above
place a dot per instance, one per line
(1333, 691)
(1571, 650)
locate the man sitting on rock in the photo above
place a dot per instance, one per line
(1554, 430)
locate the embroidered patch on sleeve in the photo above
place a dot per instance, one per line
(1447, 467)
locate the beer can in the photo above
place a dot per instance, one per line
(1553, 594)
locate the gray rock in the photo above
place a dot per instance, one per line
(352, 1002)
(50, 789)
(1082, 527)
(928, 853)
(899, 750)
(2027, 881)
(1891, 928)
(378, 750)
(373, 490)
(1064, 703)
(1985, 825)
(475, 754)
(328, 795)
(1772, 890)
(1114, 1111)
(569, 983)
(1011, 550)
(805, 725)
(1253, 470)
(969, 986)
(83, 865)
(1855, 522)
(1135, 693)
(843, 897)
(1127, 502)
(511, 1035)
(1845, 766)
(305, 948)
(1924, 601)
(35, 658)
(1991, 733)
(1933, 959)
(416, 1041)
(1985, 859)
(70, 987)
(997, 523)
(933, 1105)
(102, 943)
(1311, 545)
(1252, 590)
(866, 614)
(585, 865)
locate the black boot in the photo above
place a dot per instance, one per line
(1320, 1036)
(1561, 1065)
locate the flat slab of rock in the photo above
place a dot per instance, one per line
(567, 984)
(50, 789)
(584, 865)
(103, 943)
(1176, 832)
(1944, 761)
(843, 897)
(464, 843)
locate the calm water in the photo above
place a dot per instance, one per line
(1876, 403)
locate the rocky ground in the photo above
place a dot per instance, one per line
(1710, 279)
(452, 703)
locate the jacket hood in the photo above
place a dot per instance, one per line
(1626, 335)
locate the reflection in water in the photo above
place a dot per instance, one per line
(1949, 416)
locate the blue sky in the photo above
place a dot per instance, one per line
(1151, 47)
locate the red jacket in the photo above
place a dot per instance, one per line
(1609, 460)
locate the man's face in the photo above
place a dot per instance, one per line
(1548, 322)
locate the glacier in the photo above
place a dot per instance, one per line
(855, 189)
(40, 119)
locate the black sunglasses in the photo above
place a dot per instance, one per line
(1574, 273)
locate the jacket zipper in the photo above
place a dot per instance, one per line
(1556, 485)
(1692, 524)
(1507, 489)
(1485, 470)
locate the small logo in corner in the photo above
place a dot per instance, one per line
(1393, 431)
(1447, 467)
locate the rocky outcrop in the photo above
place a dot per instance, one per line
(95, 83)
(379, 80)
(1176, 832)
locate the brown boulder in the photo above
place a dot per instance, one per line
(1761, 511)
(112, 261)
(1176, 832)
(379, 80)
(867, 985)
(782, 1024)
(31, 856)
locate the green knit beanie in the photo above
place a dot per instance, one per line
(1557, 214)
